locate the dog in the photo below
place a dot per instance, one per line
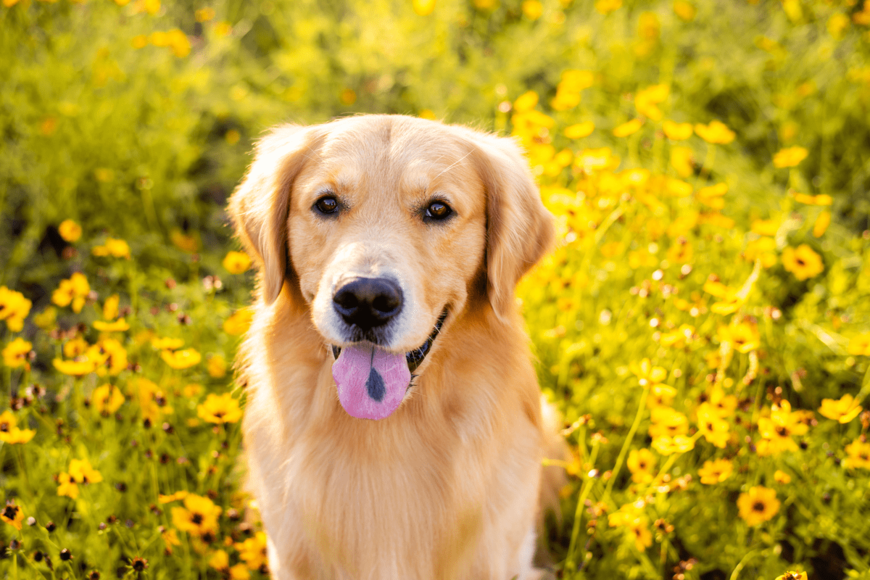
(393, 425)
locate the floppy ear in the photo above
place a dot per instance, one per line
(519, 230)
(260, 206)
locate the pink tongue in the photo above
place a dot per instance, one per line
(371, 382)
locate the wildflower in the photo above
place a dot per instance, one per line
(802, 261)
(712, 195)
(217, 366)
(715, 132)
(253, 551)
(715, 471)
(677, 188)
(198, 516)
(219, 560)
(667, 422)
(14, 308)
(684, 10)
(219, 409)
(671, 445)
(680, 253)
(166, 343)
(73, 290)
(592, 160)
(185, 242)
(82, 472)
(66, 486)
(10, 433)
(711, 426)
(778, 429)
(239, 572)
(113, 354)
(181, 359)
(628, 128)
(46, 319)
(647, 374)
(682, 160)
(821, 199)
(821, 224)
(743, 337)
(793, 576)
(119, 325)
(758, 505)
(660, 395)
(236, 262)
(763, 249)
(765, 227)
(843, 410)
(677, 131)
(724, 405)
(607, 6)
(533, 9)
(641, 463)
(170, 538)
(70, 231)
(858, 455)
(148, 394)
(113, 247)
(645, 101)
(789, 157)
(579, 130)
(204, 14)
(12, 515)
(15, 353)
(632, 519)
(860, 345)
(526, 102)
(172, 497)
(107, 399)
(239, 322)
(781, 477)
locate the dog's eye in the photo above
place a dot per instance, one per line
(326, 205)
(438, 210)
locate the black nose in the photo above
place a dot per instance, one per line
(368, 302)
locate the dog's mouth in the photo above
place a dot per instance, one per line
(371, 381)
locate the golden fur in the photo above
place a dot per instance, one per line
(446, 487)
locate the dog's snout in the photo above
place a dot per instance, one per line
(368, 302)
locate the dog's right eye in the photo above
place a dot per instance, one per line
(326, 205)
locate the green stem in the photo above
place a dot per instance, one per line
(570, 561)
(624, 451)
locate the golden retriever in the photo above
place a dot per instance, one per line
(393, 419)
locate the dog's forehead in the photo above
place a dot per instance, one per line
(406, 152)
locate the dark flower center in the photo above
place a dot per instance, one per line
(197, 519)
(758, 506)
(10, 511)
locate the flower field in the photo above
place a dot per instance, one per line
(703, 325)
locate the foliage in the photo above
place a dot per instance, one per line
(704, 324)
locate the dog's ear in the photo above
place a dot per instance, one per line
(519, 230)
(260, 205)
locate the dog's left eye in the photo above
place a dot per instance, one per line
(326, 204)
(438, 210)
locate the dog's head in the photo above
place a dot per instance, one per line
(386, 228)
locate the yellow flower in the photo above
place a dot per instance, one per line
(682, 160)
(110, 307)
(677, 131)
(647, 374)
(666, 422)
(107, 399)
(178, 495)
(533, 9)
(526, 102)
(789, 157)
(758, 505)
(680, 253)
(12, 515)
(802, 261)
(219, 560)
(14, 308)
(112, 247)
(822, 199)
(671, 445)
(715, 132)
(793, 576)
(765, 227)
(199, 516)
(607, 6)
(178, 43)
(46, 319)
(181, 359)
(628, 128)
(73, 290)
(423, 7)
(119, 325)
(858, 455)
(219, 409)
(743, 337)
(641, 463)
(239, 322)
(842, 410)
(763, 249)
(70, 231)
(684, 10)
(715, 471)
(860, 345)
(781, 477)
(66, 486)
(579, 130)
(253, 551)
(724, 405)
(170, 538)
(217, 366)
(711, 425)
(236, 262)
(81, 471)
(645, 101)
(76, 368)
(204, 14)
(635, 523)
(778, 429)
(10, 433)
(15, 353)
(822, 223)
(712, 195)
(239, 572)
(114, 355)
(660, 396)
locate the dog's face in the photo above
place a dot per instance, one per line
(387, 227)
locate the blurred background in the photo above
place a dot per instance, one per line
(703, 326)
